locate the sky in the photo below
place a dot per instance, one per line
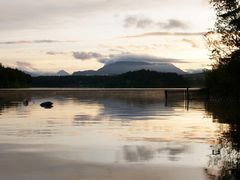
(73, 35)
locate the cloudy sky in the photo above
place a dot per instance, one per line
(50, 35)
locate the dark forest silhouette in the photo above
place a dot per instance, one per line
(224, 43)
(136, 79)
(13, 78)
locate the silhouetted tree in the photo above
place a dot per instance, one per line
(224, 42)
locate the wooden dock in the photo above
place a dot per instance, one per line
(186, 92)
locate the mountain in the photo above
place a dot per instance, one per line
(127, 66)
(39, 73)
(62, 73)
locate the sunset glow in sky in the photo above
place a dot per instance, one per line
(51, 35)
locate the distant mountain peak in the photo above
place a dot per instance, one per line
(62, 73)
(121, 67)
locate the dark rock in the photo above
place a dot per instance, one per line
(47, 105)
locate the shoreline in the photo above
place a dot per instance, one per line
(96, 89)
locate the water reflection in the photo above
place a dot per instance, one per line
(226, 113)
(172, 151)
(124, 127)
(224, 161)
(118, 109)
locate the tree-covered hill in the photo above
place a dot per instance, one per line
(136, 79)
(13, 78)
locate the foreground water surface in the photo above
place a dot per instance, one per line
(116, 134)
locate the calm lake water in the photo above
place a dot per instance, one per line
(116, 134)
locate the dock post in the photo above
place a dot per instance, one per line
(186, 98)
(166, 97)
(187, 93)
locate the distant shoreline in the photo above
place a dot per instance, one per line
(95, 89)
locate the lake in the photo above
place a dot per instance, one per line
(116, 134)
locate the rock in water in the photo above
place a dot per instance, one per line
(47, 105)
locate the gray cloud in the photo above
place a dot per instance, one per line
(87, 55)
(138, 58)
(166, 34)
(46, 41)
(173, 24)
(136, 21)
(25, 66)
(142, 22)
(124, 56)
(55, 53)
